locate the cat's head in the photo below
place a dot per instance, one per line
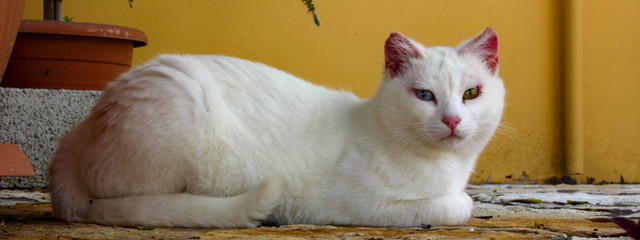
(442, 97)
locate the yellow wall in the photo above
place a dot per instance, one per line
(611, 78)
(347, 52)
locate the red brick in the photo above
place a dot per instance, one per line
(14, 162)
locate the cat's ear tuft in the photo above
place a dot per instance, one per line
(485, 46)
(398, 50)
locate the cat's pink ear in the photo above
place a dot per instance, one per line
(485, 46)
(398, 50)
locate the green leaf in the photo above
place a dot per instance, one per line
(312, 9)
(309, 4)
(316, 19)
(68, 19)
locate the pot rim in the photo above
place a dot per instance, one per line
(84, 29)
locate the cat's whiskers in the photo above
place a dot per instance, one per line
(405, 127)
(416, 136)
(508, 129)
(413, 139)
(504, 131)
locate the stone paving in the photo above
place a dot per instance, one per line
(500, 212)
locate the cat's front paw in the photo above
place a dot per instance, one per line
(450, 210)
(260, 202)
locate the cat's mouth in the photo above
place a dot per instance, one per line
(452, 139)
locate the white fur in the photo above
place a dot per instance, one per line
(214, 141)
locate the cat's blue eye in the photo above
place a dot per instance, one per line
(425, 95)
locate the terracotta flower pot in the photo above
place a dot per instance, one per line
(10, 15)
(70, 55)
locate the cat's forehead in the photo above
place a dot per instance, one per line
(441, 55)
(442, 60)
(443, 66)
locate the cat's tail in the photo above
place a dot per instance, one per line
(173, 210)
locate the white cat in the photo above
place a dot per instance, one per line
(214, 141)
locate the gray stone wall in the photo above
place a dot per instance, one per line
(35, 119)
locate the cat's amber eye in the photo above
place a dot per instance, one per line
(471, 93)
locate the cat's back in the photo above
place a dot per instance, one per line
(232, 80)
(221, 96)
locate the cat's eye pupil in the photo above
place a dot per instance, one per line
(471, 93)
(425, 95)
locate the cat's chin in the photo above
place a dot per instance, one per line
(451, 141)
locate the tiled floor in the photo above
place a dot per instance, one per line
(501, 212)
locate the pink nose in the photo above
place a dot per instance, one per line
(451, 121)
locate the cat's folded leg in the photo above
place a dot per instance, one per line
(445, 210)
